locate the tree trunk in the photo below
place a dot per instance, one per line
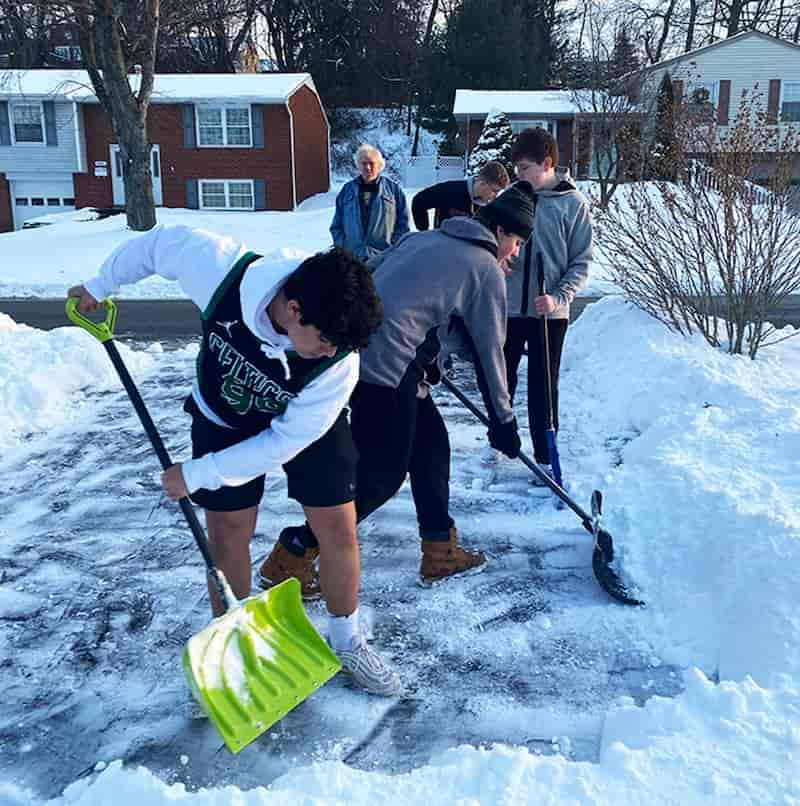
(135, 154)
(734, 17)
(126, 109)
(689, 43)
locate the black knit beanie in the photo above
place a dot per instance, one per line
(513, 209)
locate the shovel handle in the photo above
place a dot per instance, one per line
(104, 332)
(556, 489)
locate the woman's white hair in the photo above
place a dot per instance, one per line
(366, 150)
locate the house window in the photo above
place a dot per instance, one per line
(62, 51)
(226, 194)
(224, 126)
(28, 123)
(53, 202)
(68, 202)
(37, 201)
(703, 97)
(21, 201)
(790, 102)
(518, 125)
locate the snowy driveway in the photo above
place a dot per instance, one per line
(102, 585)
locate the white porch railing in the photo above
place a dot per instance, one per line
(419, 172)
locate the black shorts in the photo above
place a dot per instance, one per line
(321, 475)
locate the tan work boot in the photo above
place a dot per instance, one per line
(442, 559)
(282, 564)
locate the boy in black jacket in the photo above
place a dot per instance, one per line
(458, 196)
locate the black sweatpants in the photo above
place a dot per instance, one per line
(399, 434)
(527, 331)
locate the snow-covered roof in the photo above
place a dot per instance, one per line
(75, 85)
(515, 102)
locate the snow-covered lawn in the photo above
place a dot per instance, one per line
(527, 684)
(46, 261)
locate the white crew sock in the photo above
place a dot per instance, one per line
(343, 631)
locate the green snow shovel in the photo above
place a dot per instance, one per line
(263, 656)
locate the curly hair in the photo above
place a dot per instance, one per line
(336, 294)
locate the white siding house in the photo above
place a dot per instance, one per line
(40, 150)
(748, 62)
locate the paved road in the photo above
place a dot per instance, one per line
(164, 319)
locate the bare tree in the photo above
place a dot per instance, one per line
(24, 30)
(667, 28)
(609, 120)
(691, 24)
(715, 253)
(286, 22)
(205, 36)
(657, 33)
(119, 48)
(770, 16)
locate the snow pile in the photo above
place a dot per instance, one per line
(46, 375)
(733, 743)
(705, 503)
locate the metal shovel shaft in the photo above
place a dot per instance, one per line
(559, 491)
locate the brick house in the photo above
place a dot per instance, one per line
(252, 141)
(554, 110)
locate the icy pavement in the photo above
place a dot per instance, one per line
(101, 585)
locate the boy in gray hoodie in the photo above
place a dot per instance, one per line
(562, 236)
(423, 281)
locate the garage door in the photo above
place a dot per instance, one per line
(33, 199)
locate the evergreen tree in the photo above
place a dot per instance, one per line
(503, 44)
(624, 56)
(663, 154)
(494, 143)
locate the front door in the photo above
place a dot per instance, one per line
(118, 176)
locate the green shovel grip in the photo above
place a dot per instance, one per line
(102, 331)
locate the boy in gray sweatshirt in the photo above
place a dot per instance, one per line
(423, 281)
(562, 238)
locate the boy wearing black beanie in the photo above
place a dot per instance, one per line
(396, 425)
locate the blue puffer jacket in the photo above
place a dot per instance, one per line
(388, 219)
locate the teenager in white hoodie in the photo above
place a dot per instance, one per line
(277, 364)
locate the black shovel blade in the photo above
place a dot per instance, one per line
(608, 578)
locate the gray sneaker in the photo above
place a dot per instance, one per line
(370, 671)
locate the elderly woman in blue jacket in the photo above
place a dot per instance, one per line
(371, 212)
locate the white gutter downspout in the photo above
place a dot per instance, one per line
(79, 150)
(294, 162)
